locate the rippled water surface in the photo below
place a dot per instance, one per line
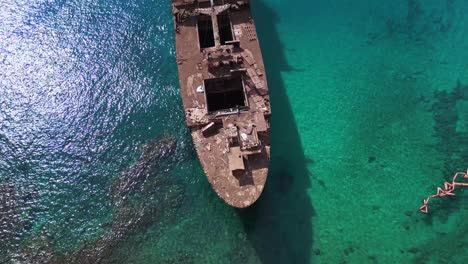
(84, 85)
(369, 115)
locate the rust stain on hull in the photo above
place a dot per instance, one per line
(225, 95)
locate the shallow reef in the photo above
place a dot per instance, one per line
(15, 217)
(8, 223)
(146, 178)
(453, 251)
(451, 141)
(419, 24)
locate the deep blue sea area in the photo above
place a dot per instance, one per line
(369, 116)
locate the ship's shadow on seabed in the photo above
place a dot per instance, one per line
(279, 224)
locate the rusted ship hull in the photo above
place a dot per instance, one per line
(225, 95)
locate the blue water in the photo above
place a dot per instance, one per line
(369, 100)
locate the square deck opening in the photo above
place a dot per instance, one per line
(224, 93)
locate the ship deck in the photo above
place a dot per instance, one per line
(225, 95)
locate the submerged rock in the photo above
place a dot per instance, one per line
(15, 219)
(147, 164)
(8, 203)
(146, 178)
(446, 117)
(142, 195)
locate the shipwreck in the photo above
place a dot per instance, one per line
(225, 95)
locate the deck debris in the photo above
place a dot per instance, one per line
(225, 95)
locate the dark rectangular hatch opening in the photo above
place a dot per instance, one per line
(204, 3)
(218, 2)
(205, 31)
(224, 93)
(225, 28)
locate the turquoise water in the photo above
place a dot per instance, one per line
(369, 100)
